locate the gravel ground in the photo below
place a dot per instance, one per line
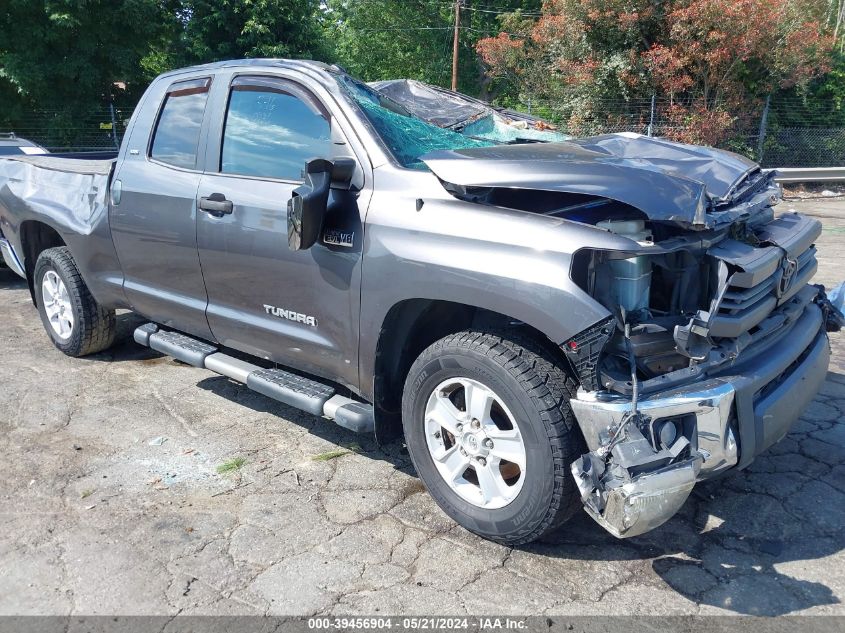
(99, 516)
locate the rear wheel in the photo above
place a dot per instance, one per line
(490, 431)
(73, 319)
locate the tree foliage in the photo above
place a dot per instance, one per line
(389, 39)
(68, 53)
(705, 56)
(212, 30)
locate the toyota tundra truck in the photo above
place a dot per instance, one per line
(600, 322)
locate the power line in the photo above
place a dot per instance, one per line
(496, 11)
(408, 28)
(502, 12)
(492, 30)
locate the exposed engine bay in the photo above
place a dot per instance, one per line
(713, 333)
(690, 306)
(685, 307)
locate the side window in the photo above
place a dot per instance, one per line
(271, 129)
(177, 132)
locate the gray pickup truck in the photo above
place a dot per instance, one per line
(599, 322)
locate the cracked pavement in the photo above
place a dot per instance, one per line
(96, 520)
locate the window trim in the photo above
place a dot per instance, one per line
(285, 85)
(181, 88)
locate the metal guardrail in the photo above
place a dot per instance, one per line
(810, 174)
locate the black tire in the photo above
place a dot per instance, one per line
(93, 327)
(536, 389)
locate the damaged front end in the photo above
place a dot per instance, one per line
(646, 457)
(715, 346)
(626, 503)
(714, 341)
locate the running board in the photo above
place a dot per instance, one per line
(294, 390)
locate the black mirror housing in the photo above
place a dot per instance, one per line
(307, 205)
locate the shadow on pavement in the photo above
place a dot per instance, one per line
(9, 280)
(738, 541)
(393, 453)
(732, 546)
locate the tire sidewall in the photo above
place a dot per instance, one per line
(522, 515)
(72, 344)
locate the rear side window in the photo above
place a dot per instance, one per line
(272, 128)
(177, 132)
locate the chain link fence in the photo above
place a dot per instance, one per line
(62, 131)
(778, 132)
(783, 132)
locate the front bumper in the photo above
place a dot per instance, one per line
(732, 417)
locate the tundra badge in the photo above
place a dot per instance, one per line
(290, 315)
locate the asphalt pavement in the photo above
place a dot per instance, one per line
(111, 502)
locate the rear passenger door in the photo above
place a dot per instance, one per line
(153, 224)
(298, 308)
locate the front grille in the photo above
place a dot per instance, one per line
(766, 276)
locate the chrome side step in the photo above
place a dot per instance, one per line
(294, 390)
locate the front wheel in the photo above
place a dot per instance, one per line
(490, 431)
(75, 322)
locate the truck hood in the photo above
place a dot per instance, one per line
(673, 182)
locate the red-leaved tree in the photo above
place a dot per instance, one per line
(707, 61)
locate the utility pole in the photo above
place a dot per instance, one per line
(761, 136)
(455, 46)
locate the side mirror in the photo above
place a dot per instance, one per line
(307, 205)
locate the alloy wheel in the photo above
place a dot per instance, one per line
(57, 305)
(475, 443)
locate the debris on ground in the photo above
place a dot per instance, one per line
(837, 297)
(289, 470)
(324, 457)
(157, 441)
(228, 490)
(805, 190)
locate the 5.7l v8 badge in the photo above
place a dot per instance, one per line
(339, 238)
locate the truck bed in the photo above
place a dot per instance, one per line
(70, 163)
(66, 189)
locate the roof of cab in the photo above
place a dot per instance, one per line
(259, 62)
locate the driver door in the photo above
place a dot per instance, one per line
(297, 308)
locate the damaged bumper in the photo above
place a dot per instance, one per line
(633, 507)
(640, 470)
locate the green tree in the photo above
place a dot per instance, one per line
(212, 30)
(68, 53)
(391, 39)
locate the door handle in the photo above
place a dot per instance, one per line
(216, 205)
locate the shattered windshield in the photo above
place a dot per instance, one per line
(406, 136)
